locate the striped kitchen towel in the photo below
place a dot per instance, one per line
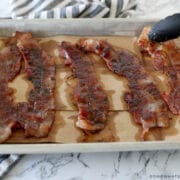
(7, 161)
(71, 8)
(44, 9)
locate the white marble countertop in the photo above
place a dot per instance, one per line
(98, 166)
(101, 166)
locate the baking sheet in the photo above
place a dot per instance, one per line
(121, 131)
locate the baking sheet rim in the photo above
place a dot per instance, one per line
(84, 147)
(87, 147)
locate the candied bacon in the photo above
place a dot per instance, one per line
(37, 116)
(144, 99)
(165, 58)
(10, 64)
(90, 98)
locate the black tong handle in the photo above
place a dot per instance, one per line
(166, 29)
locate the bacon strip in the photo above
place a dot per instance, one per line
(10, 64)
(165, 58)
(144, 100)
(90, 98)
(37, 116)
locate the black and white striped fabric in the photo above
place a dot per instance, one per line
(71, 8)
(45, 9)
(7, 161)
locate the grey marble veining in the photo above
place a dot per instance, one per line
(100, 166)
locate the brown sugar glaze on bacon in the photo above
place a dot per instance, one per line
(166, 59)
(37, 116)
(144, 100)
(10, 64)
(89, 96)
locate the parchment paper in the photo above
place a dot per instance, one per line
(120, 125)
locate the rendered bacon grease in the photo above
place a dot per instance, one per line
(145, 102)
(90, 98)
(165, 58)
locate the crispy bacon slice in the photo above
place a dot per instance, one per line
(89, 96)
(144, 100)
(37, 116)
(10, 64)
(165, 58)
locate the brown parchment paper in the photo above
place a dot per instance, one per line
(120, 126)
